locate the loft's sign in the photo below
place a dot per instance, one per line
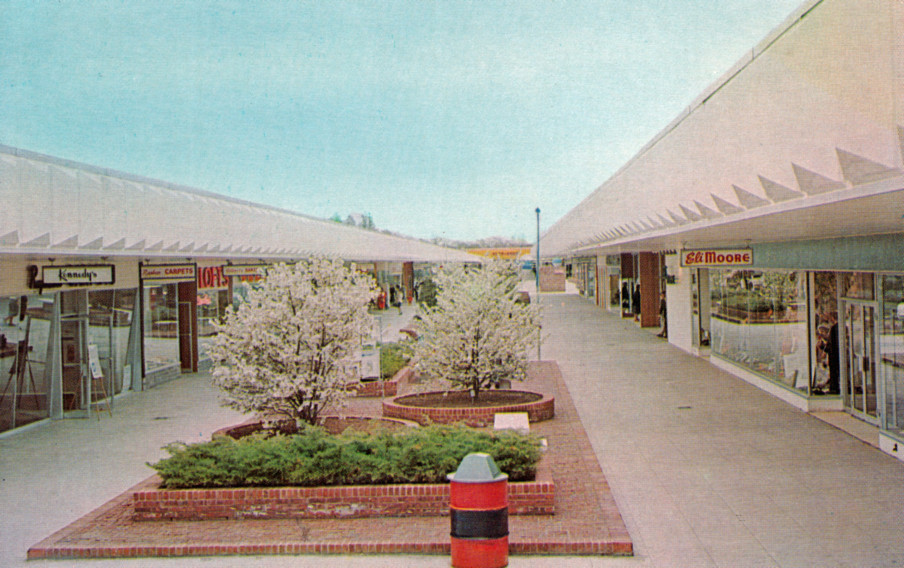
(78, 275)
(244, 270)
(168, 272)
(717, 257)
(211, 277)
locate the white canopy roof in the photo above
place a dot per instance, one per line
(53, 206)
(801, 140)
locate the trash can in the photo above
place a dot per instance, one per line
(479, 509)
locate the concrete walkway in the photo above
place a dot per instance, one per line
(710, 471)
(706, 470)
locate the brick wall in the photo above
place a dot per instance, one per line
(382, 388)
(525, 498)
(552, 279)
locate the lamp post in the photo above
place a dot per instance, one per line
(537, 278)
(537, 265)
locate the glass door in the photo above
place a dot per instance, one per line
(860, 388)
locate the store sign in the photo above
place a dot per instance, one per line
(717, 257)
(211, 277)
(247, 270)
(168, 272)
(78, 275)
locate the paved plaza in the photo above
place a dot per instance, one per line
(706, 470)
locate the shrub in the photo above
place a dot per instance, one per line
(313, 458)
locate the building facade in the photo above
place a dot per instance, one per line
(771, 213)
(111, 283)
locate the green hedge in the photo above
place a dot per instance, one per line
(314, 458)
(394, 356)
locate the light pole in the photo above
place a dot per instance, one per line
(537, 265)
(537, 279)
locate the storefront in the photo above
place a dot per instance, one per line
(68, 340)
(169, 321)
(820, 339)
(214, 298)
(583, 274)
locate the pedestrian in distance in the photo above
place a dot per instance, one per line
(635, 300)
(663, 316)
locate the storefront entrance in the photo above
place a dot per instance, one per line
(859, 384)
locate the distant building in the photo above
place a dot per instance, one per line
(505, 253)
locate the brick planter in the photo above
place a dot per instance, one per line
(478, 417)
(427, 500)
(379, 388)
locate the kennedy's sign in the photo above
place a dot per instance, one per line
(717, 257)
(77, 275)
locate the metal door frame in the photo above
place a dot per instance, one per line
(844, 339)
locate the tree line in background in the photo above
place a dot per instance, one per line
(366, 221)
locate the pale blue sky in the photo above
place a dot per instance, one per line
(453, 119)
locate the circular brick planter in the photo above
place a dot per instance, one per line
(543, 408)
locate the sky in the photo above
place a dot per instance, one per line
(450, 119)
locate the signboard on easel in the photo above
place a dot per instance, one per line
(94, 362)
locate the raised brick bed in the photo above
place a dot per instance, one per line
(382, 388)
(478, 417)
(427, 500)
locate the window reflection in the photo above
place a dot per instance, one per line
(161, 327)
(759, 321)
(24, 374)
(891, 347)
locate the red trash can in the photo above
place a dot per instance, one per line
(479, 510)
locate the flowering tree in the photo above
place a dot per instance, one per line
(478, 333)
(292, 347)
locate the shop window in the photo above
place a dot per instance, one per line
(759, 321)
(110, 323)
(857, 285)
(212, 306)
(25, 323)
(826, 371)
(891, 349)
(161, 327)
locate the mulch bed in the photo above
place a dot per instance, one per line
(587, 520)
(462, 399)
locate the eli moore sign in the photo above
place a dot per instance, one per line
(717, 257)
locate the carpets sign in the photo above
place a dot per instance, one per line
(717, 257)
(168, 272)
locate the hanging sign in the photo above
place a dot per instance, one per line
(245, 270)
(77, 275)
(168, 272)
(211, 277)
(717, 257)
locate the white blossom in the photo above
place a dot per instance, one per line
(291, 349)
(478, 333)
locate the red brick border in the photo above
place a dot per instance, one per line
(478, 417)
(424, 500)
(381, 388)
(620, 548)
(587, 521)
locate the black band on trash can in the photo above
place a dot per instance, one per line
(480, 524)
